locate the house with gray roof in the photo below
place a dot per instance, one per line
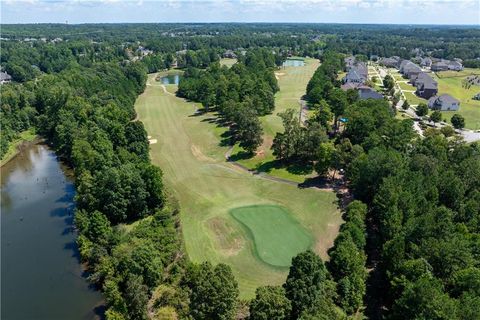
(229, 54)
(358, 73)
(390, 62)
(426, 62)
(439, 66)
(445, 102)
(426, 87)
(350, 86)
(5, 77)
(455, 65)
(349, 62)
(410, 70)
(365, 92)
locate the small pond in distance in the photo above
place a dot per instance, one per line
(170, 79)
(293, 63)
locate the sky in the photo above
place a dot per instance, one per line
(317, 11)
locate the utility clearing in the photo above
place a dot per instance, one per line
(228, 215)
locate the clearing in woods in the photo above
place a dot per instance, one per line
(190, 153)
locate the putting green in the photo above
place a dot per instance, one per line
(277, 236)
(192, 158)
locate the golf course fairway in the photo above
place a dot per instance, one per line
(187, 147)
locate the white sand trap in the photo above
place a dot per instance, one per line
(152, 141)
(149, 137)
(279, 74)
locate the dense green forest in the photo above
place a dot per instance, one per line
(410, 244)
(241, 94)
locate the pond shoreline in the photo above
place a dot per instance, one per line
(38, 230)
(20, 146)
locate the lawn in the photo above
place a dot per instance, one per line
(276, 235)
(469, 108)
(192, 156)
(406, 86)
(228, 62)
(396, 75)
(452, 74)
(293, 83)
(413, 99)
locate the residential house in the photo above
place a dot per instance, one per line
(390, 62)
(444, 65)
(439, 66)
(409, 69)
(445, 102)
(426, 87)
(229, 54)
(350, 86)
(426, 62)
(365, 92)
(402, 65)
(5, 77)
(349, 62)
(421, 77)
(358, 73)
(455, 65)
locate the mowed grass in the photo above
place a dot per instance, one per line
(413, 99)
(228, 62)
(463, 73)
(190, 153)
(406, 86)
(469, 108)
(277, 236)
(293, 83)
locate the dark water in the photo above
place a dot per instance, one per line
(41, 274)
(170, 79)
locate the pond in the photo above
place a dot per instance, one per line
(293, 63)
(42, 277)
(170, 79)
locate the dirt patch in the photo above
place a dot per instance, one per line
(227, 239)
(325, 241)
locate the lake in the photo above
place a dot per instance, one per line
(42, 277)
(293, 63)
(170, 79)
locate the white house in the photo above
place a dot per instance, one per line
(445, 102)
(5, 77)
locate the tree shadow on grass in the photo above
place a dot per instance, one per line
(293, 168)
(319, 182)
(241, 155)
(300, 168)
(227, 139)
